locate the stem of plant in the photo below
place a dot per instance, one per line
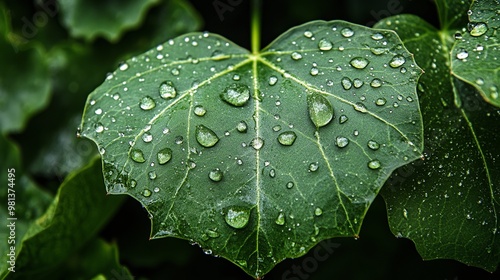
(255, 25)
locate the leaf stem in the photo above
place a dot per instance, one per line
(255, 25)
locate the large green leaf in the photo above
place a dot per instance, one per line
(476, 55)
(19, 191)
(20, 95)
(448, 204)
(77, 212)
(108, 19)
(258, 157)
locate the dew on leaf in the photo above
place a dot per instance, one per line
(99, 128)
(289, 185)
(132, 183)
(397, 61)
(380, 101)
(167, 90)
(123, 66)
(314, 71)
(318, 211)
(313, 166)
(272, 173)
(358, 83)
(360, 107)
(462, 54)
(147, 137)
(164, 155)
(273, 80)
(296, 56)
(137, 155)
(372, 144)
(205, 136)
(377, 36)
(277, 128)
(146, 193)
(152, 175)
(346, 83)
(347, 32)
(378, 51)
(199, 110)
(325, 45)
(175, 72)
(376, 83)
(341, 142)
(478, 29)
(280, 220)
(308, 34)
(343, 119)
(359, 62)
(212, 233)
(374, 164)
(147, 103)
(237, 217)
(287, 138)
(216, 175)
(257, 143)
(236, 95)
(242, 127)
(320, 109)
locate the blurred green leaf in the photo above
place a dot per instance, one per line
(475, 57)
(78, 211)
(448, 203)
(24, 78)
(107, 18)
(30, 201)
(225, 147)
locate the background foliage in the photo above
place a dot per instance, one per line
(40, 110)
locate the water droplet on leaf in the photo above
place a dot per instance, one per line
(257, 143)
(373, 145)
(216, 175)
(167, 90)
(237, 217)
(478, 29)
(280, 220)
(296, 56)
(342, 142)
(199, 110)
(147, 103)
(242, 127)
(320, 110)
(137, 155)
(325, 45)
(287, 138)
(164, 155)
(347, 32)
(346, 83)
(359, 62)
(318, 211)
(397, 61)
(205, 136)
(313, 166)
(236, 95)
(374, 164)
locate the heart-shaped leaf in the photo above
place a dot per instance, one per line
(258, 157)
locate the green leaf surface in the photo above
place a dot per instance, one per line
(258, 157)
(109, 18)
(77, 212)
(20, 95)
(476, 56)
(30, 201)
(451, 13)
(448, 204)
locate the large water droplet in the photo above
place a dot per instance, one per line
(377, 36)
(280, 220)
(376, 83)
(205, 136)
(216, 175)
(347, 32)
(374, 164)
(152, 175)
(137, 155)
(257, 143)
(164, 155)
(147, 103)
(314, 71)
(199, 110)
(236, 95)
(320, 109)
(123, 66)
(342, 142)
(147, 137)
(397, 61)
(478, 29)
(273, 80)
(380, 101)
(346, 83)
(237, 217)
(359, 62)
(325, 45)
(167, 90)
(358, 83)
(287, 138)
